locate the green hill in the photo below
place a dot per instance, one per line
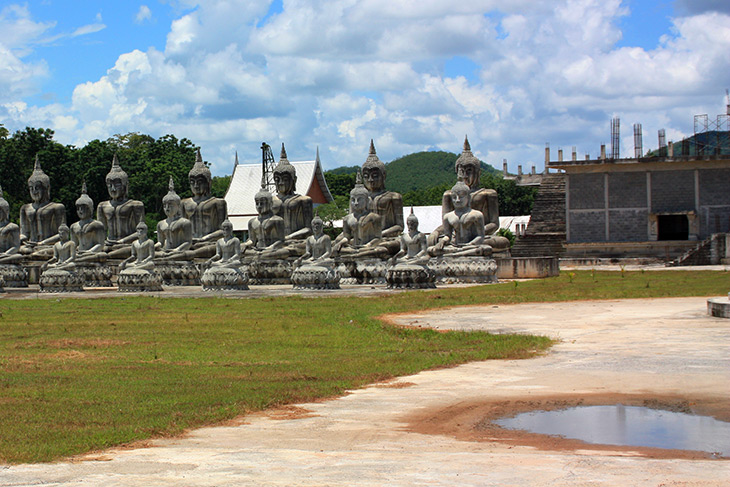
(424, 170)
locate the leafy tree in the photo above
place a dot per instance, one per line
(340, 184)
(219, 186)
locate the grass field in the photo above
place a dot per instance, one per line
(83, 374)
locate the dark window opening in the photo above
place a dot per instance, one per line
(673, 227)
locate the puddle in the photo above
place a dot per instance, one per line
(628, 426)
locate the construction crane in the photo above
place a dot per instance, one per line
(267, 167)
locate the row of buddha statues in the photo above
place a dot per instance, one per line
(286, 242)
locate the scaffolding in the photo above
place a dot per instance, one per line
(267, 168)
(638, 141)
(615, 138)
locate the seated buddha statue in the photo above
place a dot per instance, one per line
(361, 229)
(39, 220)
(318, 249)
(295, 209)
(266, 232)
(88, 234)
(206, 212)
(142, 252)
(486, 201)
(119, 215)
(463, 228)
(174, 233)
(413, 246)
(387, 204)
(227, 249)
(9, 235)
(64, 252)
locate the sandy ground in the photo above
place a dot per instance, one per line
(429, 428)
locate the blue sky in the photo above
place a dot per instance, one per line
(410, 74)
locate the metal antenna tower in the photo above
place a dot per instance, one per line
(615, 129)
(267, 167)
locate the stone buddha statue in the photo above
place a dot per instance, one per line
(9, 235)
(361, 228)
(318, 250)
(413, 246)
(267, 231)
(119, 215)
(206, 213)
(39, 220)
(387, 204)
(174, 233)
(227, 249)
(463, 227)
(142, 252)
(486, 201)
(295, 209)
(88, 234)
(64, 252)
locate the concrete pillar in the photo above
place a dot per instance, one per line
(560, 155)
(603, 152)
(574, 154)
(504, 166)
(670, 149)
(519, 170)
(547, 155)
(533, 171)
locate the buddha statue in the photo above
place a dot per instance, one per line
(39, 220)
(361, 228)
(267, 231)
(486, 201)
(174, 233)
(387, 204)
(295, 209)
(463, 227)
(9, 235)
(142, 252)
(205, 212)
(119, 215)
(227, 249)
(64, 252)
(88, 234)
(318, 249)
(413, 246)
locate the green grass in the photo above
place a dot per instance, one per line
(83, 374)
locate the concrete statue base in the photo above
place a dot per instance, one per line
(315, 277)
(60, 281)
(138, 280)
(178, 273)
(719, 307)
(410, 276)
(95, 274)
(453, 270)
(366, 271)
(224, 279)
(14, 275)
(263, 272)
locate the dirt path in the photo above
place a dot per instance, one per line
(424, 429)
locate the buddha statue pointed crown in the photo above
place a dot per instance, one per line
(466, 156)
(171, 194)
(116, 171)
(372, 160)
(412, 217)
(359, 188)
(84, 199)
(284, 164)
(199, 168)
(39, 175)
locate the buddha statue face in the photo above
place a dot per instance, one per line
(199, 185)
(469, 173)
(39, 191)
(373, 178)
(117, 187)
(317, 227)
(227, 228)
(460, 196)
(263, 203)
(285, 182)
(171, 207)
(358, 202)
(142, 232)
(84, 211)
(412, 224)
(63, 233)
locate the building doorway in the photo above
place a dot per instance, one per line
(673, 227)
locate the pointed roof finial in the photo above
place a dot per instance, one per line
(236, 158)
(316, 158)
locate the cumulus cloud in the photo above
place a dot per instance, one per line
(144, 13)
(336, 75)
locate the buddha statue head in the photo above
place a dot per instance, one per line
(359, 196)
(263, 200)
(285, 176)
(199, 177)
(39, 184)
(317, 225)
(468, 167)
(373, 171)
(171, 201)
(227, 228)
(84, 205)
(63, 232)
(460, 195)
(412, 222)
(141, 231)
(117, 181)
(4, 207)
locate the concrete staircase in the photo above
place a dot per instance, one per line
(545, 234)
(708, 252)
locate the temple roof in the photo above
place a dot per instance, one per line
(246, 181)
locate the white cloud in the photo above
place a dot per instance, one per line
(144, 13)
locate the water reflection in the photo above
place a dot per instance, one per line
(628, 425)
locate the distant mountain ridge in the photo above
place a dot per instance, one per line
(418, 171)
